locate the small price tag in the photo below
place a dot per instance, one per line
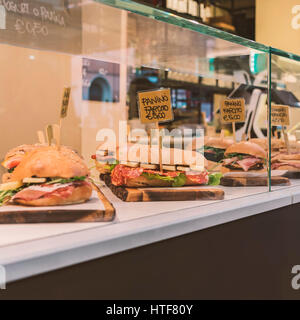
(280, 115)
(155, 106)
(233, 110)
(65, 103)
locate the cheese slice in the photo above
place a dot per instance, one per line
(169, 168)
(196, 168)
(183, 168)
(149, 166)
(130, 164)
(10, 185)
(49, 188)
(34, 180)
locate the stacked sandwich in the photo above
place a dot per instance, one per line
(47, 176)
(285, 161)
(141, 167)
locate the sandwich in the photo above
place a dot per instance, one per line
(276, 144)
(47, 176)
(141, 167)
(290, 162)
(14, 157)
(244, 156)
(214, 147)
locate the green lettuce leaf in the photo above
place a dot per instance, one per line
(62, 181)
(214, 179)
(177, 181)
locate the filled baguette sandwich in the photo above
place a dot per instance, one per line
(47, 176)
(290, 162)
(141, 168)
(244, 156)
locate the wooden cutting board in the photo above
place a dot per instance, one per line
(23, 214)
(253, 181)
(164, 194)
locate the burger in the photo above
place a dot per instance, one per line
(244, 156)
(142, 167)
(14, 157)
(47, 177)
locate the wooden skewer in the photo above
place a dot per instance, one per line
(159, 137)
(56, 134)
(233, 131)
(49, 134)
(286, 140)
(41, 137)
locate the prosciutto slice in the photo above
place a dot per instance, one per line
(247, 163)
(229, 160)
(277, 165)
(41, 191)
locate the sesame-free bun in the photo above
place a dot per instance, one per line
(80, 194)
(217, 142)
(6, 177)
(49, 162)
(262, 142)
(21, 150)
(276, 144)
(247, 147)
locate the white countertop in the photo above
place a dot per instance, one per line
(27, 250)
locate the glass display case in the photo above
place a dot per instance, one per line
(285, 91)
(107, 51)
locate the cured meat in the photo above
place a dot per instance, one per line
(201, 178)
(277, 165)
(247, 163)
(41, 191)
(229, 160)
(121, 174)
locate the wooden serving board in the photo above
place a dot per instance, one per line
(164, 194)
(293, 174)
(22, 214)
(253, 181)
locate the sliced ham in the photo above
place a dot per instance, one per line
(39, 191)
(277, 165)
(247, 163)
(229, 160)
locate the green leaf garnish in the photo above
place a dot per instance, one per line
(214, 179)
